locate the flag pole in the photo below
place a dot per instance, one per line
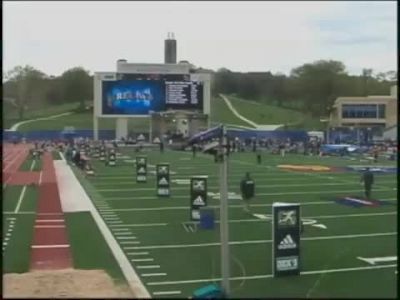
(224, 229)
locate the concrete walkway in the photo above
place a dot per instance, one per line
(15, 126)
(251, 123)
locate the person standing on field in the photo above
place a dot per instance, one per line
(368, 179)
(247, 189)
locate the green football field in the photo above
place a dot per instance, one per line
(173, 256)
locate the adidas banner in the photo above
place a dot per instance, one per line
(141, 169)
(286, 239)
(198, 196)
(163, 180)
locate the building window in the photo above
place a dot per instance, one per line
(381, 111)
(359, 111)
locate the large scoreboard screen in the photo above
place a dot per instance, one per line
(138, 94)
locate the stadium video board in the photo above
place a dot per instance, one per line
(138, 94)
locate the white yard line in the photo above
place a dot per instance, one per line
(259, 186)
(178, 282)
(49, 246)
(161, 293)
(258, 194)
(49, 226)
(138, 253)
(153, 274)
(231, 205)
(50, 221)
(140, 225)
(319, 238)
(141, 259)
(148, 267)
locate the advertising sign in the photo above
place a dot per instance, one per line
(198, 196)
(141, 169)
(163, 180)
(286, 239)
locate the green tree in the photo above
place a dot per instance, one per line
(316, 83)
(77, 85)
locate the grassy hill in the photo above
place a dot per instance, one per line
(220, 113)
(263, 114)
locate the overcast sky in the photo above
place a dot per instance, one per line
(241, 36)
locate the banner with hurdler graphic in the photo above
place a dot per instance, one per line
(198, 196)
(163, 179)
(141, 169)
(286, 224)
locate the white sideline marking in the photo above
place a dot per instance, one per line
(126, 237)
(21, 196)
(49, 220)
(153, 274)
(166, 293)
(50, 214)
(138, 253)
(49, 246)
(148, 267)
(11, 218)
(318, 238)
(142, 259)
(271, 276)
(49, 226)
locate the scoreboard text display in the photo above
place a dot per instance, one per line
(163, 182)
(286, 238)
(198, 196)
(141, 169)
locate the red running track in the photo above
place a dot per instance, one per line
(50, 247)
(13, 157)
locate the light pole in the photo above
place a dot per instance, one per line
(224, 229)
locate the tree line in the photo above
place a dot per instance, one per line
(311, 87)
(27, 88)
